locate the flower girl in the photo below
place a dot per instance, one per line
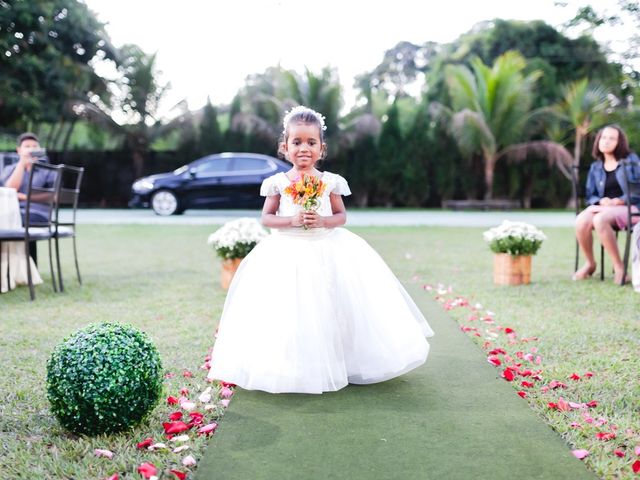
(313, 307)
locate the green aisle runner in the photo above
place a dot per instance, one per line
(452, 418)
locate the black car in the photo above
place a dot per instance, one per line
(225, 180)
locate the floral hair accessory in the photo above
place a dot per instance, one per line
(302, 111)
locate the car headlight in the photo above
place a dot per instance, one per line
(142, 186)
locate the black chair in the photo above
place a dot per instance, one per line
(67, 197)
(36, 230)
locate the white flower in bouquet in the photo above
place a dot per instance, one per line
(235, 239)
(515, 238)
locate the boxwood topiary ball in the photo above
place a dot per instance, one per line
(104, 378)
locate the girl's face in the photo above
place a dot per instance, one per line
(303, 146)
(608, 140)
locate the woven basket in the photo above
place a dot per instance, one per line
(229, 267)
(511, 269)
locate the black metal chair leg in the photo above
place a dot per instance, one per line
(53, 277)
(601, 263)
(75, 256)
(58, 262)
(577, 256)
(27, 257)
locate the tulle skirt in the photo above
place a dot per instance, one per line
(311, 311)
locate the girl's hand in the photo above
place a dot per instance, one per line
(297, 219)
(312, 219)
(617, 201)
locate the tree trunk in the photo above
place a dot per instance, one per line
(489, 168)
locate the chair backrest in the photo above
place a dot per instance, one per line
(633, 186)
(44, 182)
(68, 193)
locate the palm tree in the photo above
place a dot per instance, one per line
(490, 107)
(584, 107)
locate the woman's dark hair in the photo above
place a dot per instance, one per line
(622, 148)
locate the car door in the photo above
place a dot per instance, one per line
(245, 178)
(205, 186)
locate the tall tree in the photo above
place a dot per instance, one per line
(48, 48)
(491, 106)
(210, 137)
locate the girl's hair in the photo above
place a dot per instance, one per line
(301, 114)
(622, 148)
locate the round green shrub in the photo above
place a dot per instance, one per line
(104, 378)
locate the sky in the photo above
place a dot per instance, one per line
(207, 48)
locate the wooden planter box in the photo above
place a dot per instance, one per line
(511, 269)
(229, 267)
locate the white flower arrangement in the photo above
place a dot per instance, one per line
(235, 239)
(515, 238)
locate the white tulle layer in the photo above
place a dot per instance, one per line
(311, 311)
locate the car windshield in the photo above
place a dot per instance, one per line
(182, 169)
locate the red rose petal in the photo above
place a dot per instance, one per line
(172, 401)
(605, 436)
(492, 359)
(563, 405)
(180, 475)
(175, 416)
(175, 427)
(588, 374)
(636, 466)
(508, 330)
(145, 443)
(592, 404)
(147, 470)
(522, 394)
(187, 374)
(508, 375)
(113, 477)
(526, 384)
(552, 405)
(618, 453)
(574, 376)
(184, 391)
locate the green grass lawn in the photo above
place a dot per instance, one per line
(164, 280)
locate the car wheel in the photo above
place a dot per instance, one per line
(165, 202)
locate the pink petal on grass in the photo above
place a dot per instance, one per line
(101, 452)
(225, 402)
(115, 476)
(226, 392)
(181, 448)
(588, 374)
(208, 429)
(189, 461)
(187, 374)
(563, 405)
(637, 450)
(580, 453)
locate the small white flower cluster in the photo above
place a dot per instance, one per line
(515, 238)
(237, 233)
(514, 230)
(302, 109)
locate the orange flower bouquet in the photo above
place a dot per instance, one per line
(306, 191)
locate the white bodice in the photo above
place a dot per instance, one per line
(275, 185)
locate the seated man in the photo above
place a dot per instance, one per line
(17, 176)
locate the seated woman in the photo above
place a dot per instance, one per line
(607, 194)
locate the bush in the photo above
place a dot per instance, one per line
(104, 378)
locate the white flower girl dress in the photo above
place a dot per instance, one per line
(310, 311)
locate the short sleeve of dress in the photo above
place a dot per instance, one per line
(269, 187)
(342, 187)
